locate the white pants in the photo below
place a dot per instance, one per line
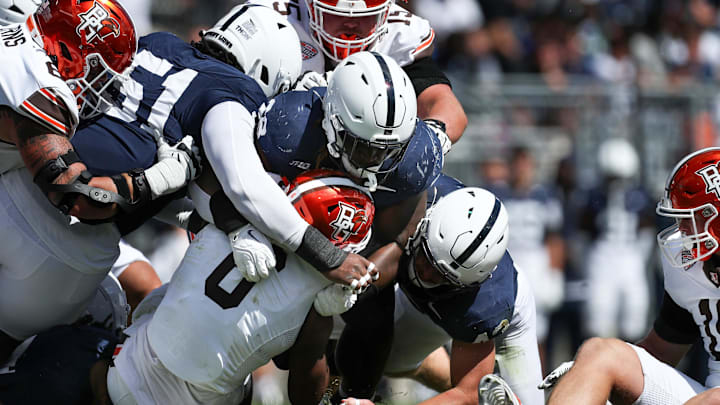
(663, 384)
(50, 266)
(516, 351)
(619, 288)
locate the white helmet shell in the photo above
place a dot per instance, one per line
(617, 158)
(466, 233)
(264, 44)
(16, 11)
(370, 113)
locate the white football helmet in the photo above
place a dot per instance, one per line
(370, 114)
(464, 235)
(344, 27)
(264, 44)
(617, 158)
(17, 11)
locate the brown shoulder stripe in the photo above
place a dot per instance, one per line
(50, 111)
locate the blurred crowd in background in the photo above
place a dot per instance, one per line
(578, 110)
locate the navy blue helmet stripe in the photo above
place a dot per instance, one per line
(480, 238)
(236, 15)
(390, 119)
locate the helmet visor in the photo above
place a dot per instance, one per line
(374, 157)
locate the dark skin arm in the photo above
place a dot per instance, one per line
(661, 349)
(309, 372)
(37, 147)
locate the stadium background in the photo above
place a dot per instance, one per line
(557, 77)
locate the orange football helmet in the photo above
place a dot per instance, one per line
(692, 197)
(92, 42)
(342, 210)
(344, 27)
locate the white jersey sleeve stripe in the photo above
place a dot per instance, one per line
(425, 43)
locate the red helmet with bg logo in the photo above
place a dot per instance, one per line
(342, 210)
(91, 42)
(692, 197)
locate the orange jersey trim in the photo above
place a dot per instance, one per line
(45, 118)
(426, 43)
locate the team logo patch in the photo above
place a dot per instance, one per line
(308, 51)
(97, 22)
(711, 177)
(348, 222)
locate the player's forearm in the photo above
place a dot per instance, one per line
(454, 396)
(438, 102)
(228, 143)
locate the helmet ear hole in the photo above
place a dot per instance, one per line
(264, 76)
(65, 51)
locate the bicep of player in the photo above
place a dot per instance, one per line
(227, 135)
(673, 332)
(469, 362)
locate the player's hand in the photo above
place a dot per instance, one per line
(176, 166)
(334, 300)
(252, 253)
(555, 375)
(356, 272)
(438, 127)
(310, 79)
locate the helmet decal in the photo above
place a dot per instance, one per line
(711, 177)
(348, 222)
(94, 21)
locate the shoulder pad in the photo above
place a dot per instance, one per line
(408, 36)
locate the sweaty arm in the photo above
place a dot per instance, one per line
(435, 97)
(227, 134)
(469, 362)
(51, 160)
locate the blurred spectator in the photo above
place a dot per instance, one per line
(535, 239)
(619, 217)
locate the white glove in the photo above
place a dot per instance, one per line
(555, 375)
(334, 300)
(252, 252)
(176, 166)
(310, 79)
(438, 127)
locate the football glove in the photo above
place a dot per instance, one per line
(438, 127)
(311, 79)
(176, 166)
(334, 300)
(555, 375)
(252, 253)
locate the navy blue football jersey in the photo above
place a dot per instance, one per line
(171, 88)
(55, 367)
(469, 314)
(292, 140)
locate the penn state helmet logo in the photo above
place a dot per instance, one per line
(711, 177)
(97, 23)
(348, 222)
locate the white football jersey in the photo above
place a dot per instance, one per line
(212, 328)
(31, 86)
(698, 293)
(408, 35)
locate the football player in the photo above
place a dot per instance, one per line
(644, 373)
(364, 123)
(331, 30)
(458, 284)
(212, 327)
(64, 61)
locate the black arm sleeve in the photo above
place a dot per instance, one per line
(424, 73)
(675, 324)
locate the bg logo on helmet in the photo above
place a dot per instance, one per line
(94, 21)
(348, 222)
(711, 176)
